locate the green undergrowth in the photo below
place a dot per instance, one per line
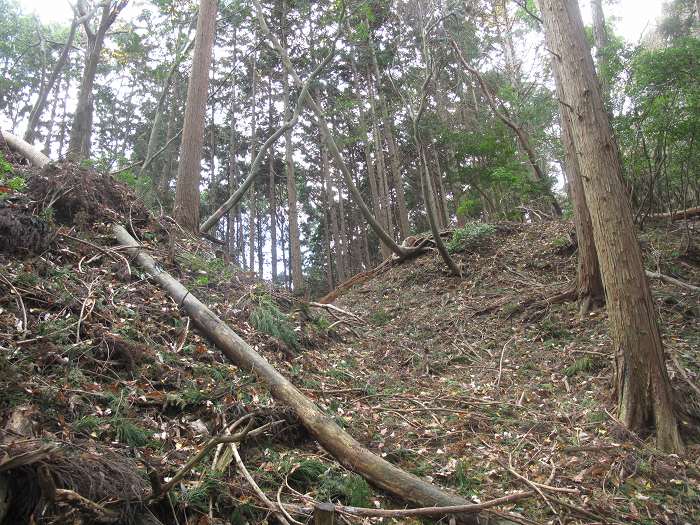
(469, 235)
(269, 319)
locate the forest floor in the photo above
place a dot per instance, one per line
(478, 384)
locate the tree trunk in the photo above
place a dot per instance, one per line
(590, 285)
(600, 39)
(49, 129)
(64, 117)
(186, 210)
(252, 211)
(272, 197)
(645, 396)
(294, 241)
(46, 88)
(81, 130)
(402, 212)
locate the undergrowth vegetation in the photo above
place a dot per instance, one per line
(469, 235)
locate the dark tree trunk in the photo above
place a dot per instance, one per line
(645, 396)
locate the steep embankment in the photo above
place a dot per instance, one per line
(469, 383)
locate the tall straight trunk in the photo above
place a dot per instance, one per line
(590, 285)
(645, 396)
(81, 129)
(160, 106)
(397, 180)
(272, 197)
(380, 169)
(344, 241)
(252, 205)
(64, 117)
(327, 247)
(601, 42)
(186, 210)
(331, 213)
(47, 87)
(235, 214)
(440, 193)
(294, 241)
(49, 129)
(162, 183)
(371, 176)
(260, 237)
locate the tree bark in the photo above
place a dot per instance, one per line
(186, 210)
(645, 396)
(590, 285)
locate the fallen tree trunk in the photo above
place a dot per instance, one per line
(335, 440)
(33, 155)
(677, 215)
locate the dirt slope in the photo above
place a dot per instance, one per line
(470, 383)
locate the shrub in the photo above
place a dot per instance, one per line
(469, 235)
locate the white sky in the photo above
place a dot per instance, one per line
(631, 17)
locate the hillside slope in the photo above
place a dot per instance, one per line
(107, 390)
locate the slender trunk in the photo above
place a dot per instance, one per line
(187, 192)
(162, 183)
(64, 117)
(260, 234)
(645, 395)
(160, 106)
(252, 211)
(81, 130)
(272, 197)
(294, 241)
(430, 208)
(49, 129)
(397, 179)
(440, 189)
(46, 88)
(600, 40)
(331, 211)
